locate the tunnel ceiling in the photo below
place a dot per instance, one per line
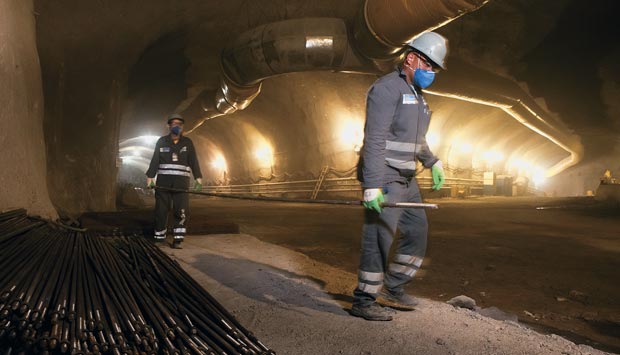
(158, 58)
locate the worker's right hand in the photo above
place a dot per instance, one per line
(373, 198)
(150, 183)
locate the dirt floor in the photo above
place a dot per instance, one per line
(550, 264)
(297, 305)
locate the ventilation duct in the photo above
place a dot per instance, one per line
(311, 44)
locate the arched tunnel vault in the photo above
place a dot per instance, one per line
(305, 127)
(309, 120)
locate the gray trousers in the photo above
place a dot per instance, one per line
(378, 234)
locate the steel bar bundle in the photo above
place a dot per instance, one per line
(70, 292)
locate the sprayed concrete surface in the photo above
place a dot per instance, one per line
(298, 305)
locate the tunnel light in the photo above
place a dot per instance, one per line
(352, 134)
(539, 176)
(325, 42)
(492, 156)
(463, 147)
(149, 139)
(136, 150)
(219, 163)
(432, 139)
(264, 155)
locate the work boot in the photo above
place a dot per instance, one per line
(371, 312)
(176, 244)
(400, 299)
(158, 241)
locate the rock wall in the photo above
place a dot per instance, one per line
(23, 182)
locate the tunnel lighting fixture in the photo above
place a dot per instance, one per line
(463, 147)
(325, 42)
(219, 163)
(139, 162)
(539, 176)
(132, 149)
(351, 134)
(432, 139)
(149, 139)
(492, 156)
(264, 155)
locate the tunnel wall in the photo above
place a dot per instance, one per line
(23, 176)
(302, 116)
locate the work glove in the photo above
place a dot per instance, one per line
(150, 183)
(373, 198)
(198, 185)
(439, 176)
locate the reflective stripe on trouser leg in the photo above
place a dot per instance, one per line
(377, 236)
(162, 206)
(181, 215)
(406, 265)
(411, 247)
(179, 233)
(370, 282)
(160, 234)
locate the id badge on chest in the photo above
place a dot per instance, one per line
(175, 157)
(409, 99)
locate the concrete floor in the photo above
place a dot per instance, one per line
(554, 268)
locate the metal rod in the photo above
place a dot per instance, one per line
(303, 200)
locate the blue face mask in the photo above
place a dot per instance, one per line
(423, 78)
(176, 130)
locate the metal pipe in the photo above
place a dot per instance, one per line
(383, 27)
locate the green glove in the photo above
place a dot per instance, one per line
(438, 175)
(197, 186)
(373, 198)
(150, 183)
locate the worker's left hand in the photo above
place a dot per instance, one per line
(438, 175)
(198, 185)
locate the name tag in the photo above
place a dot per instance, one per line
(184, 149)
(175, 157)
(409, 99)
(164, 149)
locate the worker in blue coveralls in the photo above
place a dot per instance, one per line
(397, 119)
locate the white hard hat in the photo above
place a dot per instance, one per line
(432, 45)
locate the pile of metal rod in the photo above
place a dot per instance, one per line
(69, 292)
